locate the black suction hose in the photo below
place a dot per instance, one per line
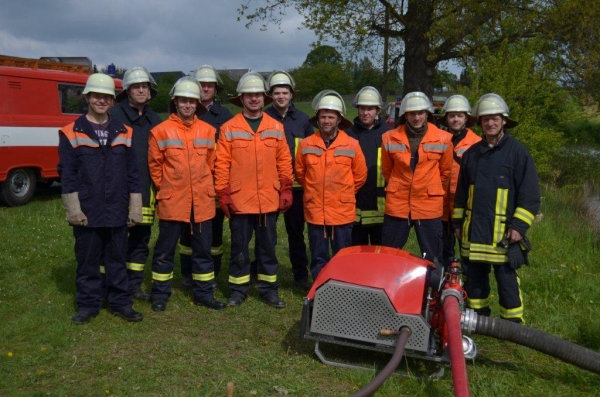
(540, 341)
(389, 369)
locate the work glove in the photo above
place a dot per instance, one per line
(225, 202)
(135, 209)
(285, 194)
(75, 216)
(517, 253)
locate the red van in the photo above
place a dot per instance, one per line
(37, 97)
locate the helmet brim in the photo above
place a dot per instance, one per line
(510, 123)
(237, 100)
(123, 94)
(343, 125)
(200, 110)
(471, 121)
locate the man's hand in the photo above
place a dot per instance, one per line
(285, 194)
(226, 203)
(75, 216)
(135, 209)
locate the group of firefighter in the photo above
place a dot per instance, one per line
(351, 183)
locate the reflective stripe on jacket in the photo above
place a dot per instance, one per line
(141, 124)
(460, 148)
(370, 199)
(330, 177)
(104, 176)
(253, 163)
(181, 158)
(498, 188)
(418, 194)
(296, 127)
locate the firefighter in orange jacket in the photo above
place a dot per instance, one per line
(181, 156)
(253, 176)
(416, 162)
(331, 168)
(456, 117)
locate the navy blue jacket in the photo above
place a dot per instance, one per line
(295, 124)
(104, 176)
(370, 143)
(216, 116)
(141, 124)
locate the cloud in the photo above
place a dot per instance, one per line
(159, 35)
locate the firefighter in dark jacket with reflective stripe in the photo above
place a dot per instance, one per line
(101, 195)
(296, 127)
(181, 158)
(368, 129)
(496, 201)
(133, 110)
(216, 115)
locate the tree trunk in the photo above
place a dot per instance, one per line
(419, 72)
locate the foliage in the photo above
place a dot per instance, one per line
(161, 102)
(534, 98)
(323, 54)
(425, 33)
(191, 350)
(445, 81)
(312, 80)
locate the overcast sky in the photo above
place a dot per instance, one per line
(161, 35)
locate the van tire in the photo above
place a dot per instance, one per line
(18, 188)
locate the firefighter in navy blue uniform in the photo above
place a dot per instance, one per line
(456, 118)
(133, 110)
(211, 85)
(296, 127)
(496, 201)
(368, 128)
(101, 195)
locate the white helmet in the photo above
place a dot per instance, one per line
(187, 87)
(490, 104)
(368, 96)
(251, 83)
(329, 100)
(279, 77)
(137, 75)
(100, 83)
(208, 74)
(457, 103)
(414, 102)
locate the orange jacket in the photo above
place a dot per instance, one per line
(461, 147)
(330, 178)
(418, 195)
(181, 160)
(253, 164)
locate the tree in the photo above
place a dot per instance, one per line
(312, 80)
(160, 103)
(424, 33)
(323, 54)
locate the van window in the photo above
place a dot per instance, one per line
(71, 100)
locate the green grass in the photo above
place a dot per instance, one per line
(190, 350)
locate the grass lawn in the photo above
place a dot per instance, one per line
(190, 350)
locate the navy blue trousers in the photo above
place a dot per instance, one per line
(164, 252)
(429, 234)
(96, 246)
(320, 238)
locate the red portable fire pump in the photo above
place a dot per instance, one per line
(385, 299)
